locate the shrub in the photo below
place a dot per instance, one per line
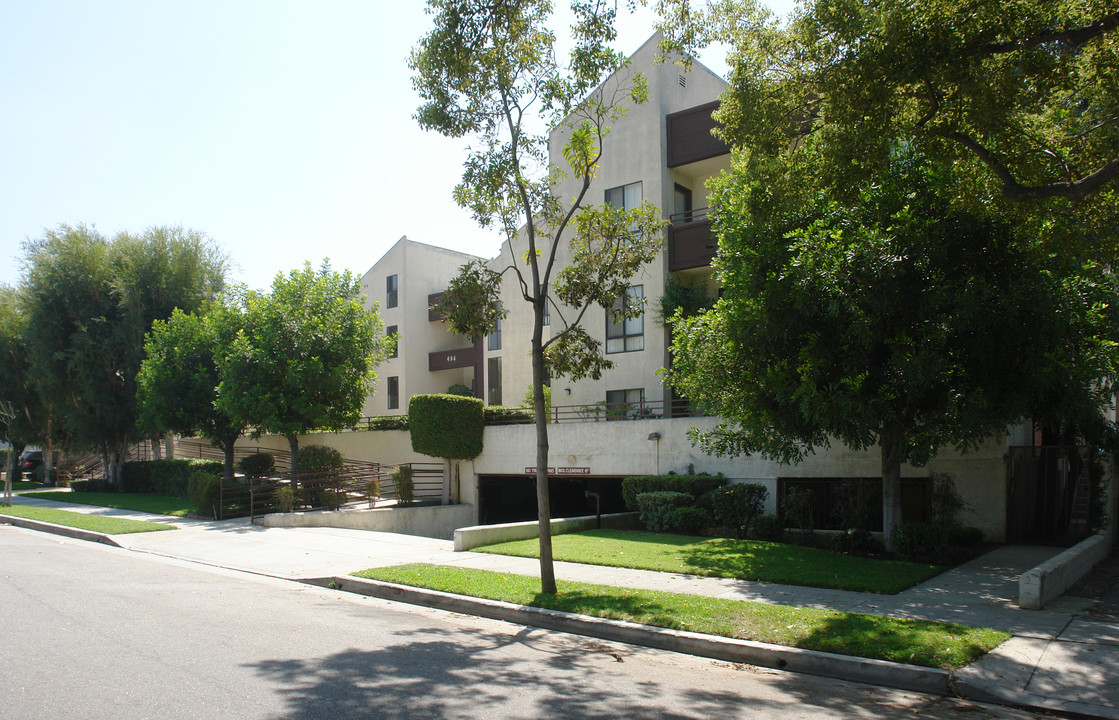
(858, 504)
(405, 488)
(694, 485)
(172, 477)
(460, 389)
(318, 461)
(528, 402)
(388, 422)
(856, 541)
(204, 490)
(798, 510)
(373, 489)
(500, 415)
(136, 477)
(259, 464)
(688, 520)
(656, 508)
(964, 537)
(736, 505)
(332, 499)
(285, 498)
(946, 501)
(90, 485)
(765, 527)
(447, 426)
(919, 539)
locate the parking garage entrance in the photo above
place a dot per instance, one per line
(512, 498)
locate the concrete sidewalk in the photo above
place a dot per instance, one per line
(1058, 660)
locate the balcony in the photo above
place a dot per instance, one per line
(689, 136)
(455, 358)
(690, 242)
(434, 305)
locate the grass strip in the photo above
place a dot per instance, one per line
(140, 502)
(84, 521)
(916, 642)
(728, 558)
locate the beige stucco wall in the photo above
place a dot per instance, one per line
(421, 270)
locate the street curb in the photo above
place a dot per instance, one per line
(812, 662)
(64, 530)
(994, 694)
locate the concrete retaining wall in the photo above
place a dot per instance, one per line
(1050, 579)
(472, 537)
(436, 521)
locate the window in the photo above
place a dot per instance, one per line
(391, 332)
(681, 204)
(624, 197)
(493, 380)
(495, 337)
(626, 334)
(394, 392)
(621, 404)
(547, 313)
(391, 286)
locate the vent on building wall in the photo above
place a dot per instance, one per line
(683, 81)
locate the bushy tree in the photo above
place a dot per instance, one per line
(488, 70)
(1020, 97)
(178, 381)
(89, 303)
(894, 321)
(304, 357)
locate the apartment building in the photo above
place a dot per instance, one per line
(662, 151)
(403, 284)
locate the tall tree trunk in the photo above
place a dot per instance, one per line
(169, 446)
(543, 502)
(157, 448)
(227, 448)
(293, 445)
(447, 481)
(48, 456)
(889, 441)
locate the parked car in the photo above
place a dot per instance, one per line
(30, 460)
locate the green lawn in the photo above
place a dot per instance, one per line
(140, 502)
(916, 642)
(729, 558)
(84, 521)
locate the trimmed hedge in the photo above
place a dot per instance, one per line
(164, 477)
(734, 506)
(694, 485)
(259, 464)
(658, 508)
(318, 461)
(447, 426)
(204, 490)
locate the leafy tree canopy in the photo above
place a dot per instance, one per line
(895, 320)
(304, 357)
(1020, 97)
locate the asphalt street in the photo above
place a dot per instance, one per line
(96, 632)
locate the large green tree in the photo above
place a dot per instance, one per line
(894, 321)
(178, 380)
(89, 302)
(488, 70)
(21, 411)
(1020, 97)
(304, 357)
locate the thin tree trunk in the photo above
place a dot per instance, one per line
(169, 446)
(227, 448)
(157, 450)
(446, 481)
(543, 502)
(890, 443)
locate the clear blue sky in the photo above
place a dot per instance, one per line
(281, 129)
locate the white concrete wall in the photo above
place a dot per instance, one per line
(437, 521)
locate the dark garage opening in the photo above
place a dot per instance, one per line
(512, 498)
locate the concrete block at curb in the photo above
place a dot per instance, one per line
(812, 662)
(70, 532)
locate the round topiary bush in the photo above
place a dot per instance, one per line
(315, 461)
(259, 464)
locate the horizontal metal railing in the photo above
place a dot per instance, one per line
(595, 412)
